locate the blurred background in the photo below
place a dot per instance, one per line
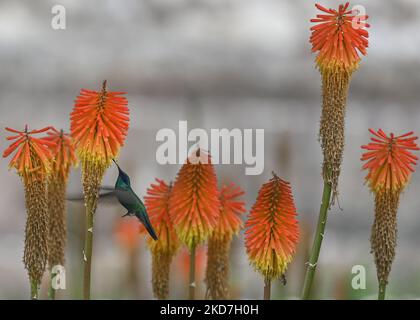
(218, 64)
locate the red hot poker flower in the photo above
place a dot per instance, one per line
(157, 204)
(389, 160)
(99, 124)
(336, 38)
(194, 203)
(272, 229)
(164, 249)
(230, 222)
(62, 152)
(32, 159)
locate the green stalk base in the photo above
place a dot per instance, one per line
(316, 247)
(191, 284)
(382, 291)
(87, 254)
(34, 290)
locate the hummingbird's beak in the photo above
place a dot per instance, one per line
(116, 164)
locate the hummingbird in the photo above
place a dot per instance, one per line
(129, 200)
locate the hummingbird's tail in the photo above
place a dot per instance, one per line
(150, 229)
(146, 222)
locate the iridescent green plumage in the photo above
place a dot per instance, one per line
(129, 200)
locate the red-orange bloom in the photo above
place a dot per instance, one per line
(32, 159)
(231, 208)
(337, 36)
(157, 204)
(390, 162)
(194, 203)
(99, 124)
(62, 152)
(272, 229)
(127, 233)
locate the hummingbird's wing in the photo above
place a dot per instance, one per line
(104, 192)
(127, 197)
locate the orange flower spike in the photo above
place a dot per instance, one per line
(272, 230)
(157, 204)
(230, 223)
(99, 124)
(62, 151)
(32, 158)
(338, 35)
(194, 203)
(389, 160)
(164, 249)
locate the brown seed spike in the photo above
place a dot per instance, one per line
(335, 84)
(36, 231)
(57, 230)
(161, 263)
(384, 232)
(217, 272)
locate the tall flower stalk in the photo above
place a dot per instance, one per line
(99, 125)
(194, 205)
(390, 164)
(272, 231)
(163, 250)
(32, 161)
(338, 37)
(63, 158)
(229, 224)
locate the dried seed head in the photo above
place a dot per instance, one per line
(36, 231)
(335, 84)
(57, 219)
(161, 263)
(384, 232)
(92, 174)
(217, 272)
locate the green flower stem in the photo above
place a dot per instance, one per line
(316, 247)
(382, 290)
(191, 282)
(267, 289)
(34, 290)
(51, 291)
(87, 253)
